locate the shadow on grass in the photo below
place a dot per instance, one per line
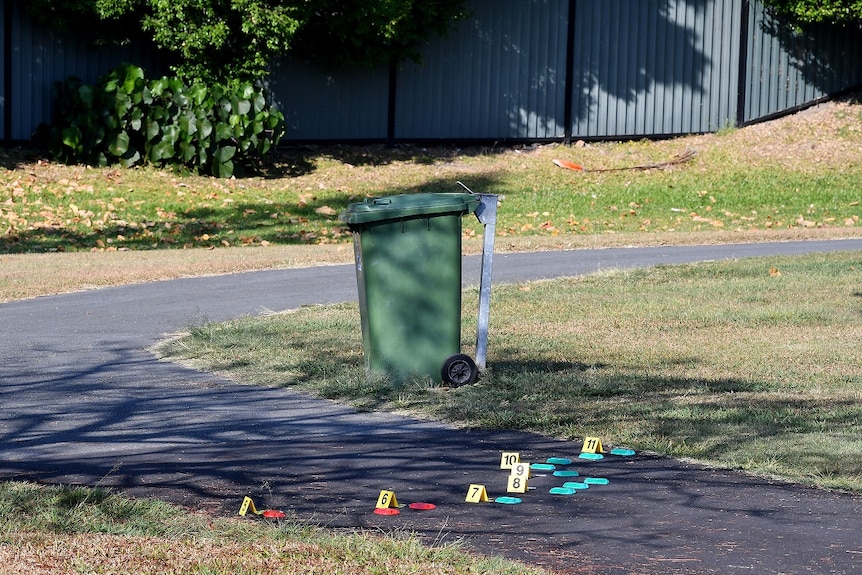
(314, 221)
(295, 161)
(721, 420)
(13, 158)
(687, 417)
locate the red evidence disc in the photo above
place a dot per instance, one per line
(274, 514)
(422, 506)
(386, 511)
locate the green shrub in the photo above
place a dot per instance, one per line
(126, 119)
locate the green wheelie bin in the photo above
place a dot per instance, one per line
(408, 272)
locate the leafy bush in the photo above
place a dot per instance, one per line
(126, 119)
(845, 12)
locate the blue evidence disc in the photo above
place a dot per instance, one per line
(561, 491)
(542, 467)
(591, 456)
(623, 452)
(560, 460)
(596, 481)
(566, 473)
(507, 500)
(575, 485)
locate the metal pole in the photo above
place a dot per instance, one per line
(487, 214)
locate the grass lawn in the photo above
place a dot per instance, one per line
(71, 530)
(752, 364)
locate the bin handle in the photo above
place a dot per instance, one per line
(381, 201)
(465, 187)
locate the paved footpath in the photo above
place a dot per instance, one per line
(83, 401)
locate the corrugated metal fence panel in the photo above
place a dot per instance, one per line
(639, 68)
(719, 38)
(331, 104)
(42, 57)
(3, 65)
(788, 67)
(501, 75)
(654, 67)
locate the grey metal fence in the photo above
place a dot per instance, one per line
(518, 70)
(35, 58)
(786, 67)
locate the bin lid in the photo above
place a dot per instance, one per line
(407, 205)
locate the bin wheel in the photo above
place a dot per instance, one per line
(459, 369)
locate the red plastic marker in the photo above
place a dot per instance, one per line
(569, 165)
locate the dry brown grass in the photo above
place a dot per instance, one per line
(30, 275)
(54, 554)
(27, 553)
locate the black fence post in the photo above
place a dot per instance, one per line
(8, 8)
(390, 110)
(742, 87)
(570, 74)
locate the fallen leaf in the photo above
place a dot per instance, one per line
(569, 165)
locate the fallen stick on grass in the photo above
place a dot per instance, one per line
(678, 159)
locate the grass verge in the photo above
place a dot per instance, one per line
(70, 530)
(750, 364)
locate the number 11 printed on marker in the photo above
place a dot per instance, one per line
(592, 445)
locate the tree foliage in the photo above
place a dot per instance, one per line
(235, 40)
(127, 119)
(368, 33)
(820, 11)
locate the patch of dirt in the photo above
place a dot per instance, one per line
(828, 135)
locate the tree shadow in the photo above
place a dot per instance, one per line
(517, 98)
(291, 161)
(828, 57)
(14, 158)
(611, 380)
(310, 221)
(663, 53)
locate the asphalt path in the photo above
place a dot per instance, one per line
(82, 401)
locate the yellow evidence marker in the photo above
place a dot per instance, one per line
(522, 469)
(509, 459)
(386, 500)
(592, 445)
(246, 504)
(518, 478)
(517, 484)
(477, 494)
